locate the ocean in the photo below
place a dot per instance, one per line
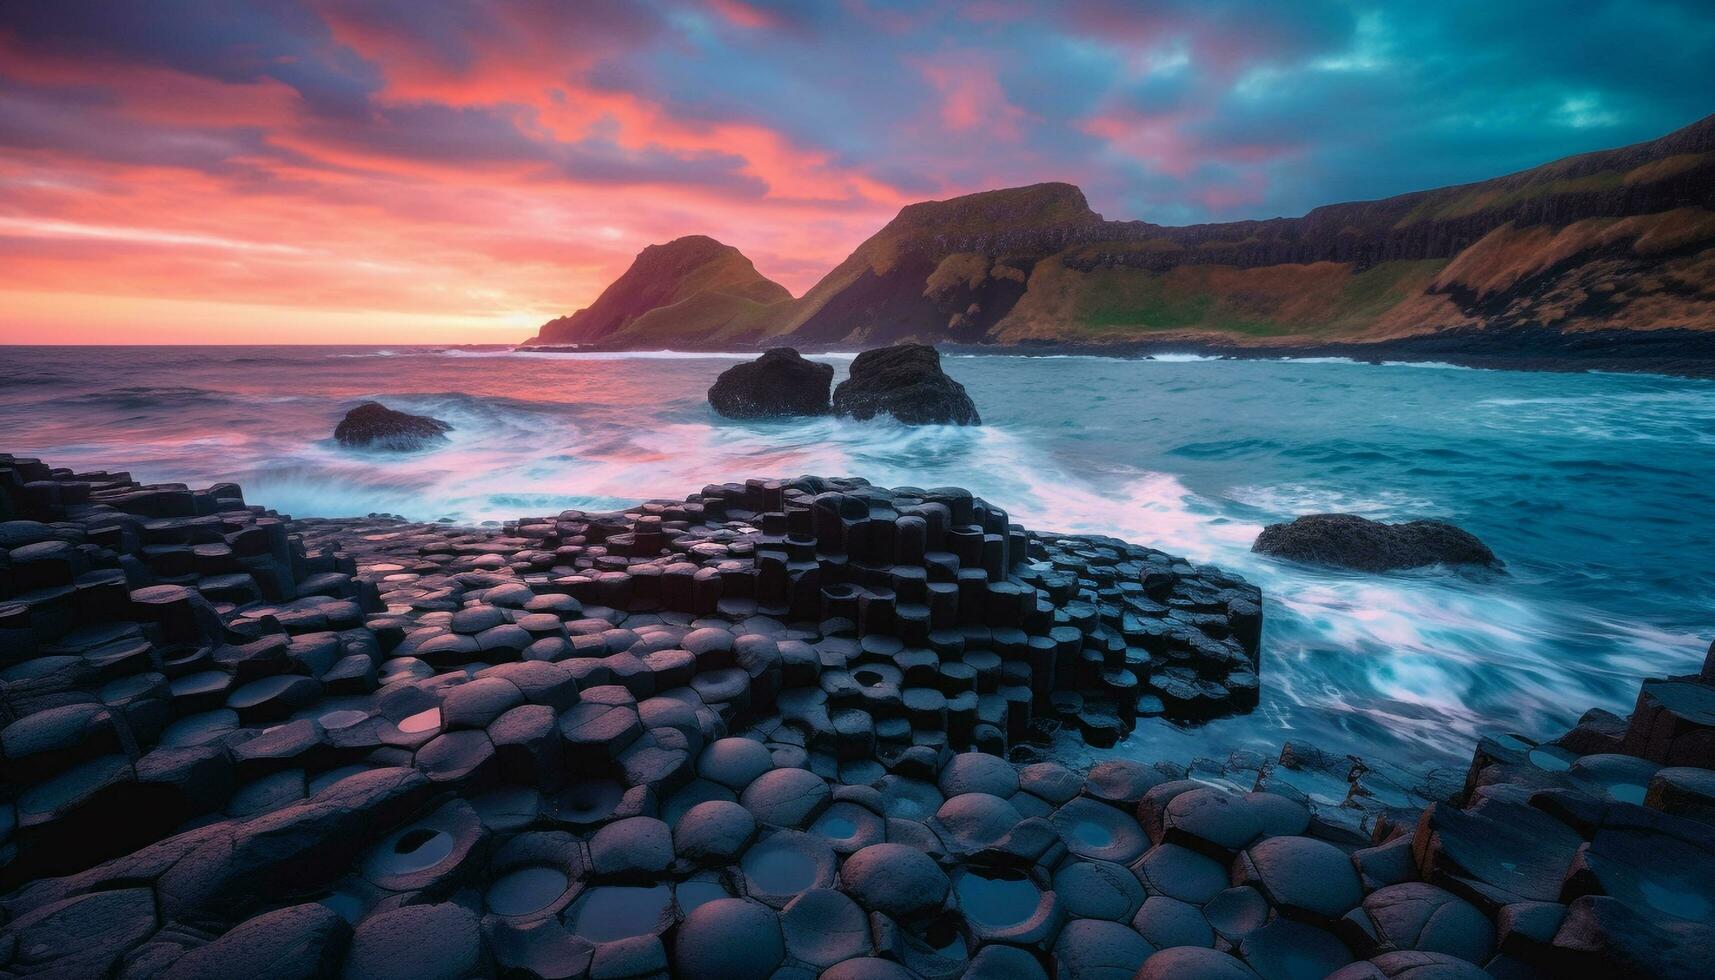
(1595, 489)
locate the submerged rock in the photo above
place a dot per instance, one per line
(779, 384)
(906, 382)
(373, 425)
(1349, 541)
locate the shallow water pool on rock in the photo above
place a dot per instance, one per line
(1627, 793)
(1551, 759)
(1678, 899)
(779, 868)
(834, 826)
(416, 849)
(996, 897)
(698, 892)
(526, 890)
(1091, 834)
(611, 912)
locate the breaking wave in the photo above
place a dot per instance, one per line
(1591, 487)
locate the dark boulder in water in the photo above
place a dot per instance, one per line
(373, 425)
(779, 384)
(1349, 541)
(906, 382)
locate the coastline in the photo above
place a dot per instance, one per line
(1668, 352)
(261, 720)
(1671, 352)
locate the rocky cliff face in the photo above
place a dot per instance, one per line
(707, 284)
(1620, 238)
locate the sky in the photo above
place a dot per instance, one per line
(392, 171)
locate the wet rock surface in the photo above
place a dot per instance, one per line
(905, 381)
(779, 384)
(777, 729)
(1349, 541)
(373, 425)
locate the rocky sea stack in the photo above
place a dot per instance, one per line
(1349, 541)
(906, 382)
(373, 425)
(779, 384)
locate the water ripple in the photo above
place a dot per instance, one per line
(1593, 488)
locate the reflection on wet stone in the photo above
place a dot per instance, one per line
(810, 724)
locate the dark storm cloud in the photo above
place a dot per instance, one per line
(231, 42)
(455, 35)
(84, 121)
(1168, 110)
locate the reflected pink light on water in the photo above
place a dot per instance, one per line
(1423, 659)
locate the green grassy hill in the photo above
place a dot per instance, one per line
(1617, 239)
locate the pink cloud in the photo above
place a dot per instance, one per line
(972, 99)
(1168, 143)
(486, 181)
(1251, 188)
(744, 14)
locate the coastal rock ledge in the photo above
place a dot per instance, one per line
(779, 384)
(1349, 541)
(778, 728)
(373, 425)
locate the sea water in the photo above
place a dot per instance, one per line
(1595, 489)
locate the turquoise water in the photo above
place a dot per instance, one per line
(1595, 490)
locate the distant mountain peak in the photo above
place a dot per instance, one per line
(694, 271)
(689, 248)
(1033, 205)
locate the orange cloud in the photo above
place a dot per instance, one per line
(485, 188)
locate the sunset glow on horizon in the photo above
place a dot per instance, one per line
(390, 172)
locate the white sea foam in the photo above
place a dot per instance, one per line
(1171, 357)
(1606, 538)
(1439, 365)
(1289, 500)
(619, 355)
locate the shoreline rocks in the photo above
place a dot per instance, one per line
(373, 425)
(906, 382)
(728, 734)
(1349, 541)
(779, 384)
